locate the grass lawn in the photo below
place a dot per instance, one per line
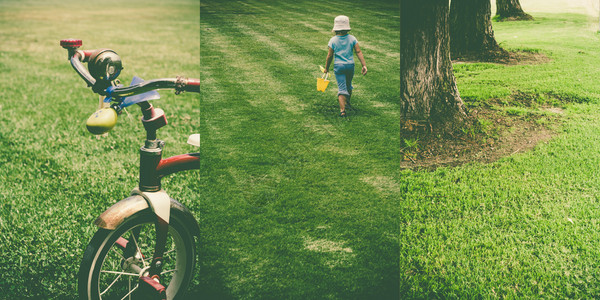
(526, 226)
(292, 201)
(55, 177)
(298, 203)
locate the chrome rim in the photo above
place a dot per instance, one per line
(122, 267)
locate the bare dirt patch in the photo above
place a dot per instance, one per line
(512, 135)
(513, 57)
(495, 129)
(500, 128)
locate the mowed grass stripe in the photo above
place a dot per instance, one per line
(316, 125)
(228, 93)
(305, 83)
(386, 9)
(251, 77)
(322, 22)
(295, 175)
(284, 52)
(383, 42)
(314, 48)
(383, 60)
(387, 66)
(387, 18)
(265, 112)
(288, 33)
(257, 60)
(308, 125)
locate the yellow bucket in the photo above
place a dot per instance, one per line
(322, 82)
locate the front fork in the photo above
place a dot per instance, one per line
(160, 202)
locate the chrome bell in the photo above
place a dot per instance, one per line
(105, 65)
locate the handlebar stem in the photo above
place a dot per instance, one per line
(153, 119)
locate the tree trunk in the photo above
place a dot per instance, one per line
(427, 84)
(471, 32)
(510, 10)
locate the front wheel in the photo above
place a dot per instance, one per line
(114, 260)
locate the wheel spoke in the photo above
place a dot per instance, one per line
(117, 252)
(131, 291)
(137, 246)
(111, 284)
(119, 269)
(169, 271)
(120, 273)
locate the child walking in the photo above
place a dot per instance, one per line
(341, 46)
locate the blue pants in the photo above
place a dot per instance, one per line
(343, 75)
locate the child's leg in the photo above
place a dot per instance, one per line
(348, 99)
(342, 100)
(349, 87)
(341, 77)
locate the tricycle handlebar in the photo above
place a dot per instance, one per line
(179, 84)
(107, 66)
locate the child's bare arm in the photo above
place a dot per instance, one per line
(361, 58)
(329, 59)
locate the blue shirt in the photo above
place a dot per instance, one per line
(342, 46)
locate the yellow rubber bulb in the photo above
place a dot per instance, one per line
(102, 121)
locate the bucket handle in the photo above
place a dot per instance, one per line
(325, 75)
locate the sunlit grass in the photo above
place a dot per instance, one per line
(55, 177)
(292, 201)
(309, 197)
(527, 225)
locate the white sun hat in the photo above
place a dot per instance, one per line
(341, 23)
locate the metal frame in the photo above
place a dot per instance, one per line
(152, 167)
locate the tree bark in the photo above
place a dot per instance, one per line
(510, 10)
(427, 84)
(471, 32)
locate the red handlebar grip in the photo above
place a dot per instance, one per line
(71, 43)
(193, 85)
